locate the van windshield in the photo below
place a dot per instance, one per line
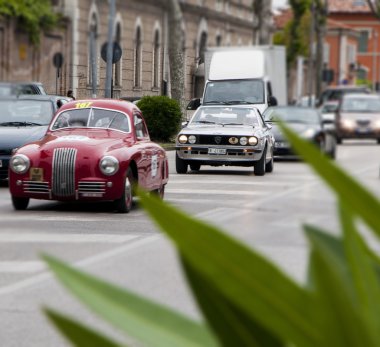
(234, 92)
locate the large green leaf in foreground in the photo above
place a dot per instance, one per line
(247, 300)
(149, 322)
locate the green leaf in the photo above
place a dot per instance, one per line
(229, 323)
(78, 334)
(365, 278)
(355, 196)
(149, 322)
(336, 312)
(247, 279)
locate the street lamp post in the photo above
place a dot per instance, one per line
(111, 21)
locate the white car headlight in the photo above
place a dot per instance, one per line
(243, 141)
(19, 163)
(192, 139)
(182, 139)
(348, 123)
(109, 165)
(308, 133)
(253, 141)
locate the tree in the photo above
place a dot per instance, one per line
(375, 7)
(176, 52)
(31, 16)
(263, 13)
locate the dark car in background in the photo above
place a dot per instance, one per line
(358, 117)
(335, 93)
(23, 119)
(305, 121)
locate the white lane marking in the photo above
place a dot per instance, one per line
(37, 279)
(10, 236)
(214, 192)
(21, 266)
(278, 182)
(139, 242)
(37, 216)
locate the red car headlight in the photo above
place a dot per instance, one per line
(19, 163)
(109, 165)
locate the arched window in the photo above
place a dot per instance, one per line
(117, 77)
(92, 54)
(137, 58)
(218, 40)
(202, 47)
(156, 59)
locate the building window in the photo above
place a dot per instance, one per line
(202, 47)
(156, 59)
(361, 74)
(363, 41)
(92, 54)
(218, 40)
(137, 58)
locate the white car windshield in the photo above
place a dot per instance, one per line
(225, 116)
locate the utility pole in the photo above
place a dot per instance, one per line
(374, 61)
(111, 20)
(311, 55)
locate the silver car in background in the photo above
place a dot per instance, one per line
(225, 135)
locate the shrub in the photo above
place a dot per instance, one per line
(245, 299)
(162, 115)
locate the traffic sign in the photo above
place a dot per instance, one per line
(58, 60)
(116, 54)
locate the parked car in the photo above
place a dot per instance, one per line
(335, 93)
(225, 135)
(307, 122)
(23, 119)
(21, 88)
(358, 116)
(94, 150)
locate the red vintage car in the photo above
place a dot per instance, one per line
(93, 150)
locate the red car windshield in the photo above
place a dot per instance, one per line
(92, 118)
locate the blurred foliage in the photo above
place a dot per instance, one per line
(32, 16)
(245, 299)
(162, 115)
(364, 82)
(296, 31)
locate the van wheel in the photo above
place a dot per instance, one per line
(260, 165)
(180, 165)
(20, 204)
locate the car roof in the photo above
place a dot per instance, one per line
(363, 96)
(120, 105)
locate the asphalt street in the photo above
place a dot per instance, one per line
(266, 213)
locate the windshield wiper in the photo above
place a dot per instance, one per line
(232, 102)
(10, 124)
(204, 122)
(232, 124)
(215, 102)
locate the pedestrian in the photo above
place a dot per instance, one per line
(70, 94)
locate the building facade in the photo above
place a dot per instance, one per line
(141, 31)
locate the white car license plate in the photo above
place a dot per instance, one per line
(217, 151)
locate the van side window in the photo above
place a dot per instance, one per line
(141, 131)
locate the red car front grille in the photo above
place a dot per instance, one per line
(63, 175)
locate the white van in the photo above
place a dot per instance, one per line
(245, 75)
